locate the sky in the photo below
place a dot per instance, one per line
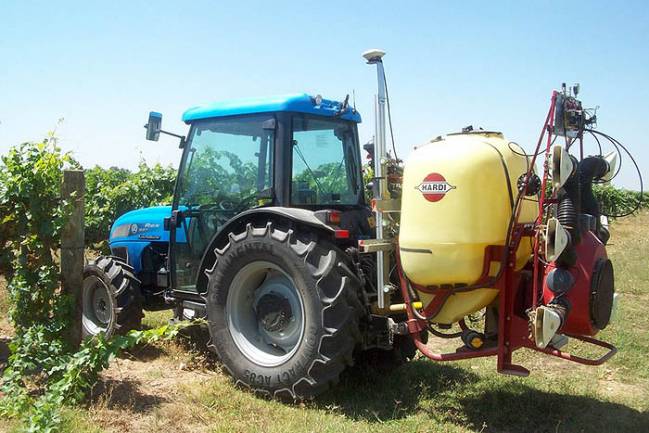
(102, 66)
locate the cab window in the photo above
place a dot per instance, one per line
(324, 155)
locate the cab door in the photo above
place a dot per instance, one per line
(227, 168)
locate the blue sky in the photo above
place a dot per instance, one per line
(103, 65)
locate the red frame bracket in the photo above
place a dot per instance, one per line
(513, 330)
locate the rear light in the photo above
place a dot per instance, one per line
(341, 234)
(333, 217)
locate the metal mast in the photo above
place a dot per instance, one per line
(373, 57)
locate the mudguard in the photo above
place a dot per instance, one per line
(302, 216)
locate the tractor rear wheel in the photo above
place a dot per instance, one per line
(111, 298)
(282, 311)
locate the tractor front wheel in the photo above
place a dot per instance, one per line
(111, 298)
(282, 312)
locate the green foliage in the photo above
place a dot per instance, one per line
(114, 191)
(326, 179)
(36, 392)
(32, 215)
(217, 175)
(618, 201)
(44, 372)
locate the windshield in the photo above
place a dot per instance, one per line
(325, 155)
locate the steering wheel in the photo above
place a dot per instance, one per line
(227, 205)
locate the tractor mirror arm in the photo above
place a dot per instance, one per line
(181, 137)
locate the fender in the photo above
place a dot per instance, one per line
(297, 215)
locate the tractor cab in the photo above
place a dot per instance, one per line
(293, 151)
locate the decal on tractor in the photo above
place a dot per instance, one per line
(434, 187)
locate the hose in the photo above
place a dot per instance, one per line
(387, 97)
(567, 215)
(440, 334)
(617, 144)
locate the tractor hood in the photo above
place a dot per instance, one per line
(142, 225)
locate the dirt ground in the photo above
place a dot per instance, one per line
(142, 393)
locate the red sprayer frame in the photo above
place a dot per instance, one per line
(513, 329)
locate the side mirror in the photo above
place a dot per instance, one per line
(556, 239)
(153, 126)
(562, 166)
(369, 148)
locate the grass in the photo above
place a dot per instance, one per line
(178, 387)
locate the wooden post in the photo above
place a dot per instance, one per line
(72, 247)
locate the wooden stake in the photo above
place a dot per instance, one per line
(72, 246)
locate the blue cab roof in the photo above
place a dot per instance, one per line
(300, 103)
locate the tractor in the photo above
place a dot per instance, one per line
(271, 240)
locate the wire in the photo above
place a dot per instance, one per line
(617, 149)
(569, 142)
(387, 97)
(528, 155)
(641, 192)
(599, 145)
(311, 172)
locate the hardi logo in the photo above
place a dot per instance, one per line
(434, 187)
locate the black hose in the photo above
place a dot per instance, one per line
(387, 97)
(567, 216)
(592, 168)
(443, 335)
(616, 143)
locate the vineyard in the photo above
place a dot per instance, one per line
(45, 369)
(45, 372)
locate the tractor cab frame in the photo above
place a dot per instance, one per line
(295, 157)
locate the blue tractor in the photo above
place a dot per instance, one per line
(261, 240)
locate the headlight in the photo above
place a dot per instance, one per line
(121, 231)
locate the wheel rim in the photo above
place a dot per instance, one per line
(265, 314)
(97, 306)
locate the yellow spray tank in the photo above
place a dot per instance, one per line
(458, 193)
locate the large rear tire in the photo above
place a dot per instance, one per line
(111, 298)
(282, 312)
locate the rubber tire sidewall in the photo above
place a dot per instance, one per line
(126, 305)
(292, 372)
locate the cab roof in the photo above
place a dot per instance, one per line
(300, 103)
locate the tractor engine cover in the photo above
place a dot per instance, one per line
(591, 295)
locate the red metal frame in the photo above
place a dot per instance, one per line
(513, 330)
